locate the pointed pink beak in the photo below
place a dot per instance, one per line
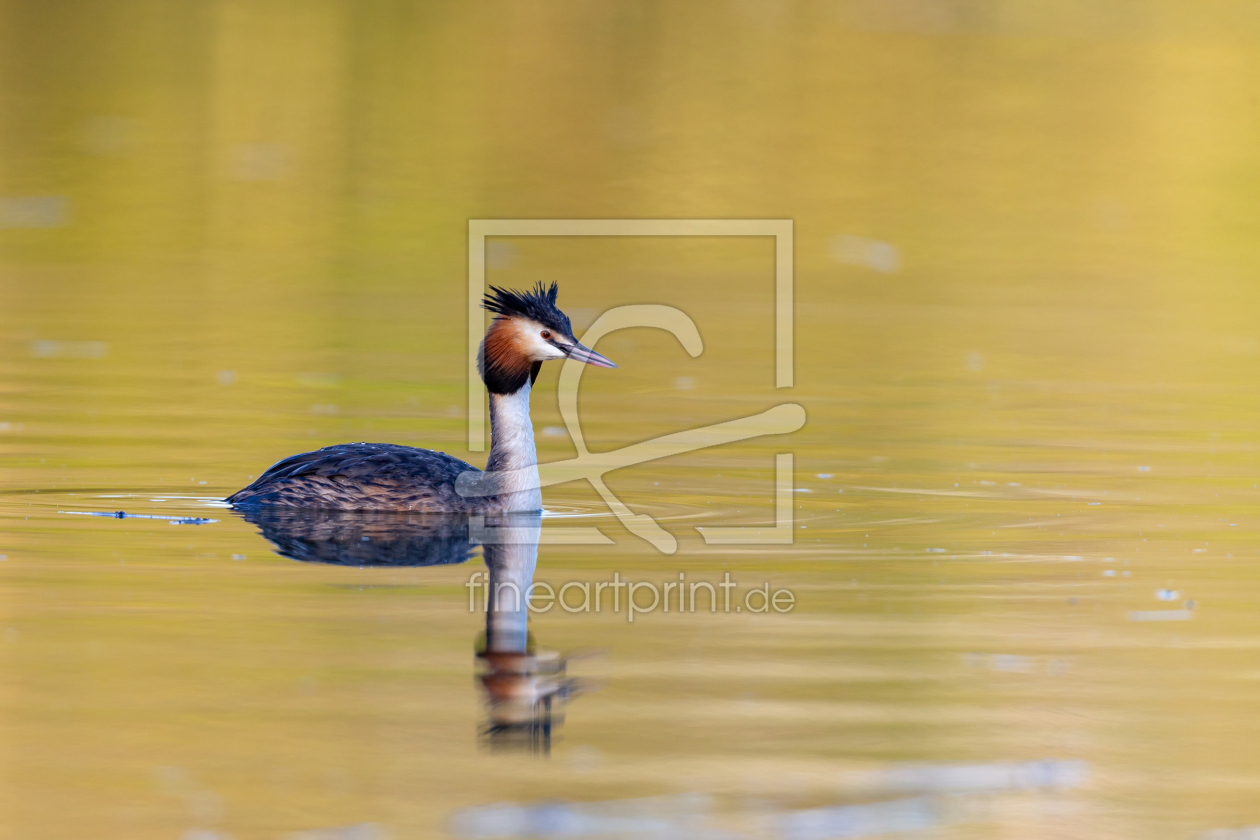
(586, 354)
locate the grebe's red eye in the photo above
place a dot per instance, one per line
(546, 334)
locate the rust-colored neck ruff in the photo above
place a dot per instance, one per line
(502, 360)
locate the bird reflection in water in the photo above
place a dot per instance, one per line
(524, 688)
(364, 538)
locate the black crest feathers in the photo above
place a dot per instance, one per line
(537, 304)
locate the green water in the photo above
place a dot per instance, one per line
(1026, 339)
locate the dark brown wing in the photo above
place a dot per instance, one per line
(362, 476)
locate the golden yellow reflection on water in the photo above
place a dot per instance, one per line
(1026, 342)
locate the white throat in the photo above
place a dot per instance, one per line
(512, 451)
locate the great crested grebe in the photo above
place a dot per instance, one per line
(528, 329)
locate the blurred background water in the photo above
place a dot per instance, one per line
(1027, 339)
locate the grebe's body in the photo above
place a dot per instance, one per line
(527, 330)
(364, 476)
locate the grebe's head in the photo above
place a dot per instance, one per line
(528, 329)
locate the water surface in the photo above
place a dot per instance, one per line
(1024, 501)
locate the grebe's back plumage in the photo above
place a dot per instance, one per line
(527, 330)
(364, 476)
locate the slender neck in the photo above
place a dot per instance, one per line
(512, 450)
